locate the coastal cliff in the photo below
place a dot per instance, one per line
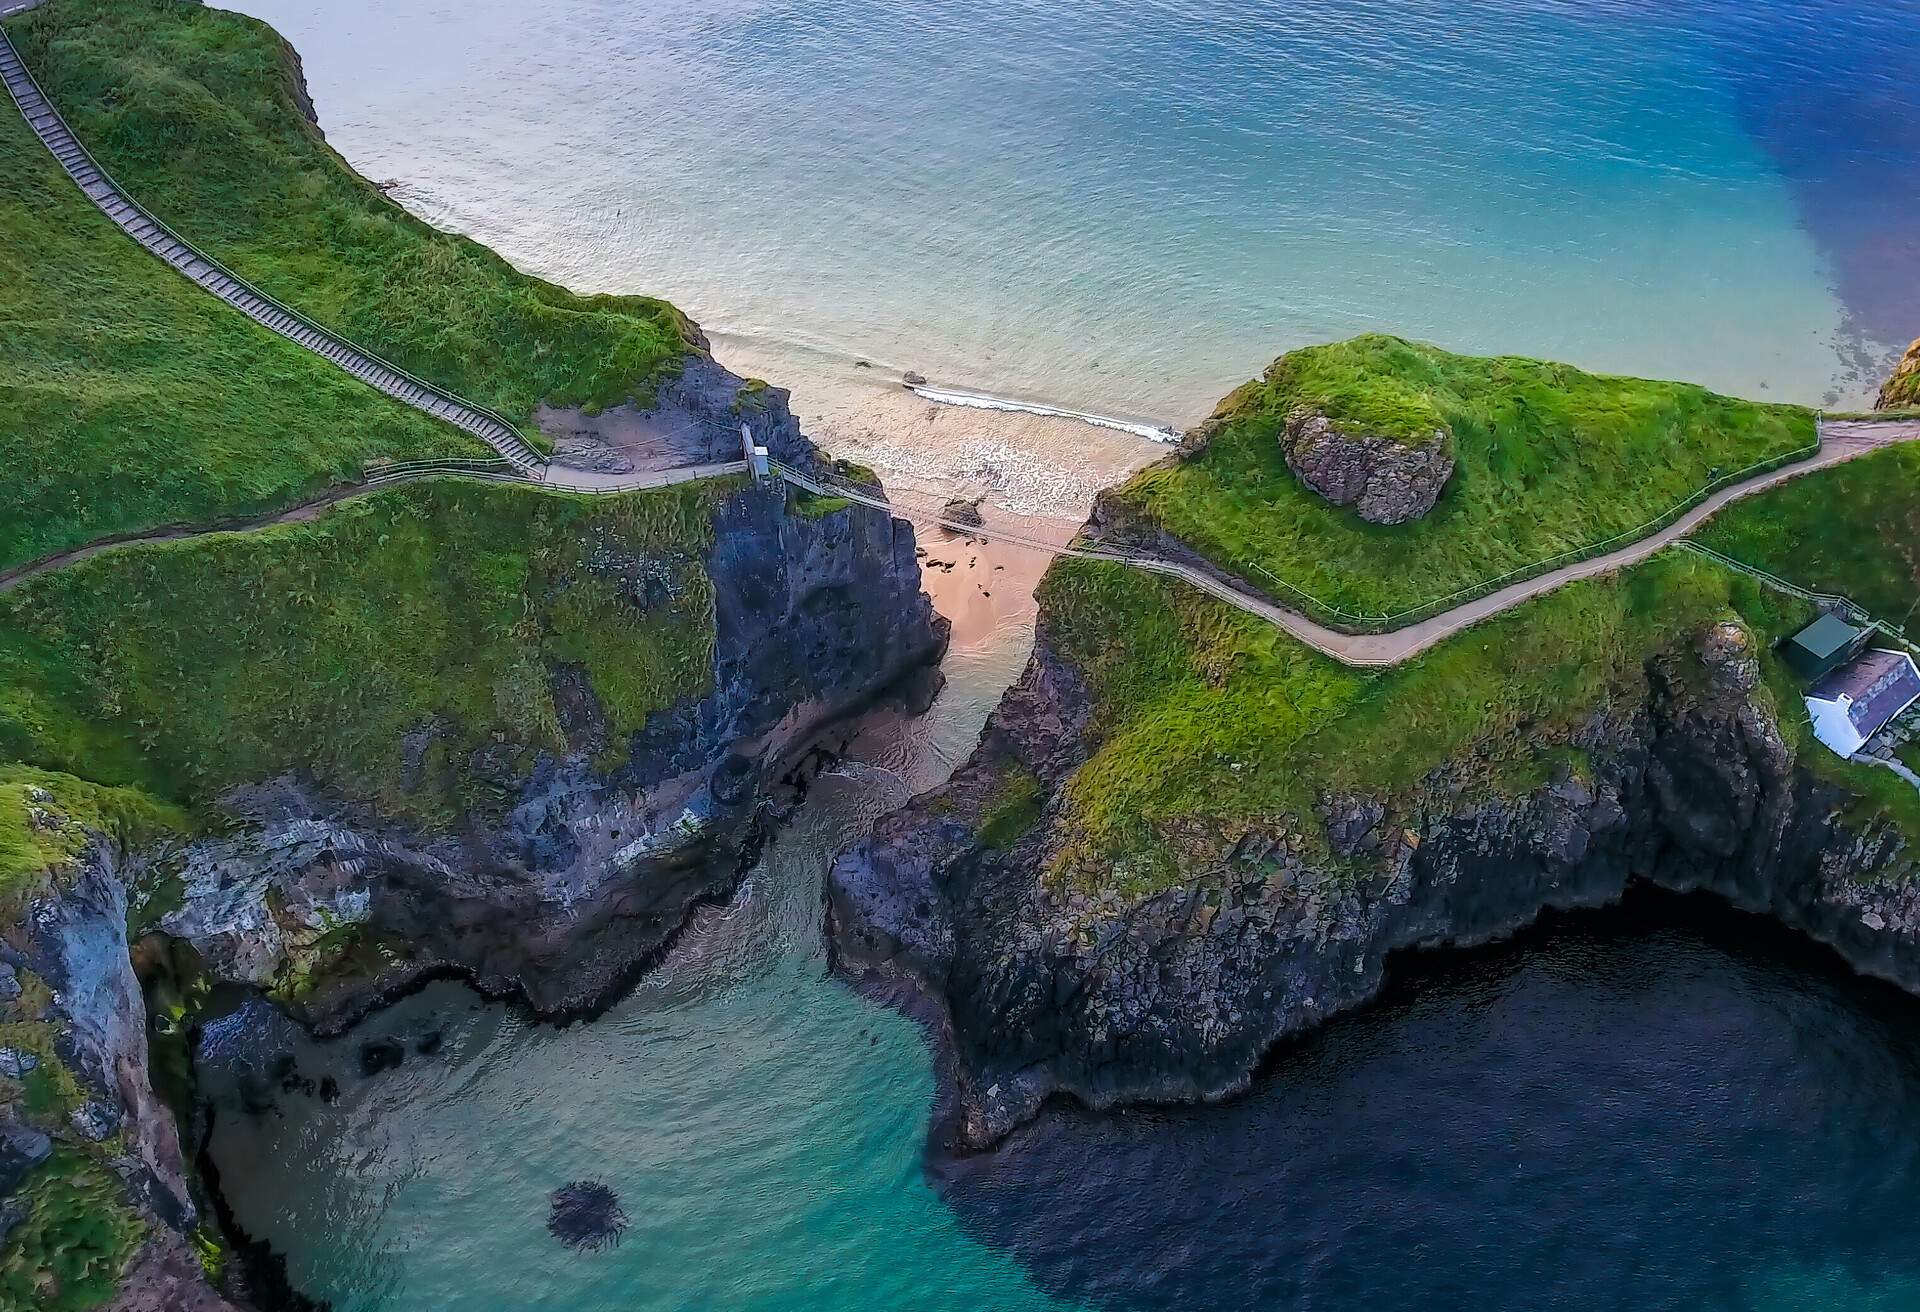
(452, 729)
(1902, 388)
(440, 728)
(1184, 836)
(1110, 996)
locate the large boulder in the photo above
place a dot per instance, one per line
(1903, 388)
(1386, 480)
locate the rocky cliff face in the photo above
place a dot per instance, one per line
(1176, 996)
(1385, 480)
(1903, 388)
(590, 870)
(589, 865)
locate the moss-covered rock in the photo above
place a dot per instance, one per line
(1902, 390)
(1386, 480)
(72, 1235)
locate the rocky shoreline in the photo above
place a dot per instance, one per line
(1043, 992)
(558, 898)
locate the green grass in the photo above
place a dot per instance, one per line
(809, 505)
(194, 111)
(1549, 459)
(1209, 723)
(129, 398)
(1853, 530)
(1014, 809)
(47, 819)
(67, 1254)
(183, 668)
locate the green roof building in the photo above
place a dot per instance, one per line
(1821, 646)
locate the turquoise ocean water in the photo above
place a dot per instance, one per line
(1130, 207)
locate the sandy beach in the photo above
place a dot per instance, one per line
(1035, 475)
(1034, 467)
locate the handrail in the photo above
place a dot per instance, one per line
(1854, 610)
(383, 471)
(532, 455)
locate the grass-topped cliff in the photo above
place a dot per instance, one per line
(130, 398)
(1208, 721)
(200, 114)
(1549, 459)
(1186, 835)
(440, 609)
(572, 697)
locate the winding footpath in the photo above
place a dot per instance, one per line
(1842, 440)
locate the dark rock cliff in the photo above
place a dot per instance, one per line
(580, 875)
(1176, 997)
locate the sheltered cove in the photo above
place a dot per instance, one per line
(543, 829)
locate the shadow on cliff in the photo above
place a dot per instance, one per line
(1667, 1104)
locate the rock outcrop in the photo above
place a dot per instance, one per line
(1385, 479)
(576, 875)
(592, 867)
(1109, 998)
(1902, 389)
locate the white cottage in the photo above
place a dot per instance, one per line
(1856, 701)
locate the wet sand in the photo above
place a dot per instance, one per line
(1024, 465)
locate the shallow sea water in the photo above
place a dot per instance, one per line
(1131, 207)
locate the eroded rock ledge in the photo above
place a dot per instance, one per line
(1386, 480)
(1176, 997)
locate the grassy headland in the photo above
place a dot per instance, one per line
(1208, 723)
(1549, 459)
(129, 398)
(1855, 532)
(439, 608)
(198, 113)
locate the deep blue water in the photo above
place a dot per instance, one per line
(1666, 1106)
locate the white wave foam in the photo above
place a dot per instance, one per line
(982, 401)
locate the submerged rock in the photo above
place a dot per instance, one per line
(377, 1055)
(586, 1216)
